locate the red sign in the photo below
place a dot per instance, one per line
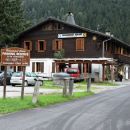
(15, 56)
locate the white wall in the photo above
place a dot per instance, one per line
(47, 64)
(126, 71)
(98, 69)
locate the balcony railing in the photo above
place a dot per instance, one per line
(122, 58)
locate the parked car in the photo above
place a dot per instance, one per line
(46, 76)
(30, 78)
(39, 78)
(75, 74)
(9, 74)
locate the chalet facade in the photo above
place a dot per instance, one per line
(82, 47)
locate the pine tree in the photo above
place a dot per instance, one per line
(11, 20)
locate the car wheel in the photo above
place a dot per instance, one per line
(25, 83)
(3, 82)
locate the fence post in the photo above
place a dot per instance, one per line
(65, 86)
(89, 82)
(71, 84)
(36, 92)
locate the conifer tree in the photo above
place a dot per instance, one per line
(11, 20)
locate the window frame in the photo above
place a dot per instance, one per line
(30, 46)
(57, 46)
(38, 45)
(38, 67)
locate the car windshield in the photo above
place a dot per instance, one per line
(2, 73)
(72, 71)
(33, 74)
(17, 74)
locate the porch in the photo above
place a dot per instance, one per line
(86, 65)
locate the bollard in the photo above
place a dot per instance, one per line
(71, 84)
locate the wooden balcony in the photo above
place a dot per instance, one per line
(122, 58)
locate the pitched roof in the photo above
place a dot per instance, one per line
(75, 26)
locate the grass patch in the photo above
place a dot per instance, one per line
(94, 86)
(106, 83)
(50, 85)
(16, 104)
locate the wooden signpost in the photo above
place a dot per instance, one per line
(14, 56)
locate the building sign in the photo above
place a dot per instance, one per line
(15, 56)
(72, 35)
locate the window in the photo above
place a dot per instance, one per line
(122, 49)
(28, 45)
(57, 44)
(37, 66)
(57, 26)
(80, 44)
(20, 68)
(53, 67)
(52, 26)
(41, 45)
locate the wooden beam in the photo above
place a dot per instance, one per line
(103, 72)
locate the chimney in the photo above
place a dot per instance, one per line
(70, 18)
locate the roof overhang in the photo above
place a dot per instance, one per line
(86, 60)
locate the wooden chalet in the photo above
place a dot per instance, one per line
(81, 46)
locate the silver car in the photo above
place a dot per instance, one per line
(30, 78)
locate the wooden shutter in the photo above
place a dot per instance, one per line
(80, 44)
(61, 44)
(53, 45)
(57, 44)
(44, 45)
(29, 43)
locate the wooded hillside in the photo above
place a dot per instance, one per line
(101, 15)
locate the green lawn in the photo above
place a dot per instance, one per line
(16, 104)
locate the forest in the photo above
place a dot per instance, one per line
(100, 15)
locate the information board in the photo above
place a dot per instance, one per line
(15, 56)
